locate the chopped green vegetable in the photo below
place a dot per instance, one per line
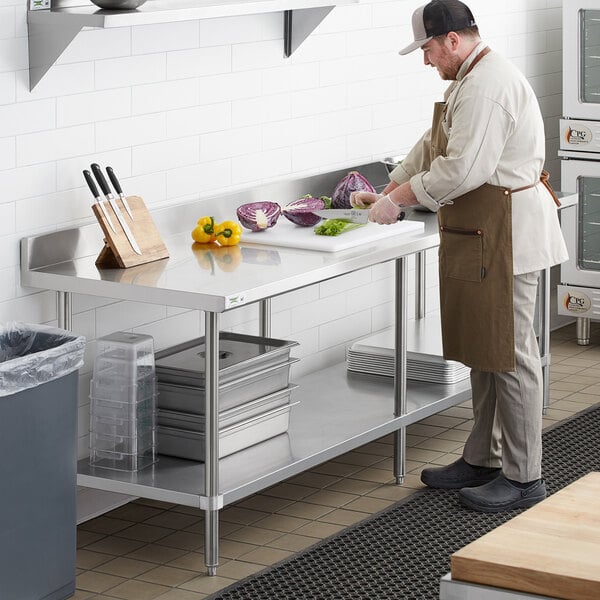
(336, 226)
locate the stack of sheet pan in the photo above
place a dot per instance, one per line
(375, 354)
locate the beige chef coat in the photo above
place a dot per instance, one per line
(495, 135)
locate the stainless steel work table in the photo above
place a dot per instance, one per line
(338, 411)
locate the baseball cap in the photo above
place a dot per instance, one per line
(436, 18)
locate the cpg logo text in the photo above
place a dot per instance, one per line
(578, 136)
(577, 302)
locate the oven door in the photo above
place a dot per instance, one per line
(581, 223)
(581, 59)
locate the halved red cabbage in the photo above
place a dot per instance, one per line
(258, 216)
(301, 212)
(353, 182)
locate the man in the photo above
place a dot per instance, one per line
(480, 168)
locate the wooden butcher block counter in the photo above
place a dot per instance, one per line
(552, 549)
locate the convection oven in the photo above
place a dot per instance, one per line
(579, 292)
(581, 59)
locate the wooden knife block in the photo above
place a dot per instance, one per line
(117, 252)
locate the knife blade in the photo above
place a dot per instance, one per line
(97, 171)
(115, 183)
(354, 215)
(90, 181)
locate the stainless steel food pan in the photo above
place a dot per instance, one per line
(248, 410)
(189, 399)
(191, 444)
(239, 355)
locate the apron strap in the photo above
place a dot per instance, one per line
(485, 51)
(544, 180)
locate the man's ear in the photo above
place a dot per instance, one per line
(454, 39)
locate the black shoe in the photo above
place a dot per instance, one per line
(501, 495)
(459, 474)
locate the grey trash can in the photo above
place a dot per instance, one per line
(38, 461)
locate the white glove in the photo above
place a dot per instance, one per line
(363, 199)
(384, 211)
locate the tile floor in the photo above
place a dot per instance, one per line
(148, 550)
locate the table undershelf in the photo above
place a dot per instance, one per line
(338, 412)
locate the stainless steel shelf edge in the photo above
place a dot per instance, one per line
(50, 31)
(169, 11)
(141, 489)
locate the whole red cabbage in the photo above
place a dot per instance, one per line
(353, 182)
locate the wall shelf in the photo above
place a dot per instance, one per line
(52, 30)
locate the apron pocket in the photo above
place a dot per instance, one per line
(461, 253)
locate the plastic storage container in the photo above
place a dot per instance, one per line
(118, 409)
(124, 368)
(38, 471)
(123, 403)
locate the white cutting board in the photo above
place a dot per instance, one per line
(285, 233)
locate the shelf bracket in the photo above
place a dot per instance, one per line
(45, 46)
(305, 20)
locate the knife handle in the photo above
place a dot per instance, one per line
(100, 179)
(114, 180)
(91, 184)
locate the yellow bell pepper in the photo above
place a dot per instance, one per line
(228, 233)
(204, 232)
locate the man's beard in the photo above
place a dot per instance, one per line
(451, 69)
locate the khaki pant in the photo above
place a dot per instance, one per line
(507, 407)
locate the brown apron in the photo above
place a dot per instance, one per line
(476, 270)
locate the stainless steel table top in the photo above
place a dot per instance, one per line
(199, 277)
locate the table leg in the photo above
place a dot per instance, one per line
(211, 463)
(64, 310)
(420, 262)
(544, 334)
(400, 369)
(264, 317)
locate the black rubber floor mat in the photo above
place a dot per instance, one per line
(402, 552)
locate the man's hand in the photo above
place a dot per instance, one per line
(384, 211)
(363, 199)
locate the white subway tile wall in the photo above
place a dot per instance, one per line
(182, 110)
